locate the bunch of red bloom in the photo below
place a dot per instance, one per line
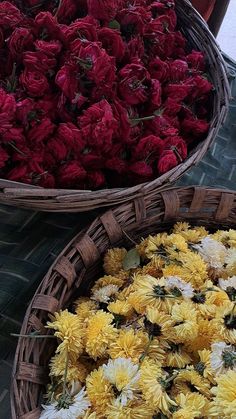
(97, 93)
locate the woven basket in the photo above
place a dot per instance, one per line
(80, 264)
(199, 36)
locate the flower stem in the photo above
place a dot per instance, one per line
(33, 336)
(143, 356)
(65, 373)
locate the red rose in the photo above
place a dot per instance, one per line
(71, 174)
(149, 147)
(34, 82)
(194, 127)
(84, 29)
(10, 16)
(134, 49)
(98, 126)
(66, 10)
(41, 132)
(103, 9)
(167, 161)
(158, 69)
(95, 179)
(38, 61)
(48, 26)
(178, 70)
(20, 40)
(71, 136)
(98, 66)
(112, 42)
(3, 157)
(67, 80)
(196, 60)
(50, 48)
(132, 87)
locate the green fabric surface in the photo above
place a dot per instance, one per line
(30, 241)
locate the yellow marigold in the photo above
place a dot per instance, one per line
(197, 268)
(192, 405)
(176, 356)
(99, 334)
(194, 381)
(76, 371)
(136, 409)
(99, 391)
(113, 260)
(184, 317)
(107, 280)
(129, 344)
(226, 322)
(85, 308)
(224, 402)
(121, 308)
(208, 333)
(153, 385)
(69, 329)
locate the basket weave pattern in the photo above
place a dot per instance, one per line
(80, 264)
(196, 31)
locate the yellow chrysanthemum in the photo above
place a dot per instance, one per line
(99, 391)
(192, 235)
(208, 332)
(194, 381)
(148, 248)
(226, 322)
(224, 403)
(113, 260)
(133, 410)
(184, 317)
(76, 371)
(176, 356)
(153, 268)
(99, 334)
(107, 280)
(159, 324)
(153, 385)
(176, 243)
(196, 268)
(91, 415)
(203, 366)
(228, 238)
(121, 308)
(85, 308)
(69, 329)
(192, 405)
(230, 262)
(129, 344)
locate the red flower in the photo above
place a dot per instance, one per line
(134, 49)
(200, 87)
(7, 108)
(116, 164)
(112, 42)
(71, 174)
(71, 137)
(25, 111)
(196, 60)
(158, 69)
(48, 27)
(133, 20)
(34, 82)
(57, 149)
(67, 10)
(47, 180)
(67, 80)
(123, 124)
(149, 148)
(14, 135)
(171, 107)
(95, 179)
(155, 93)
(140, 172)
(98, 126)
(38, 61)
(194, 128)
(10, 16)
(103, 9)
(178, 146)
(2, 40)
(21, 39)
(178, 91)
(178, 70)
(132, 87)
(49, 48)
(3, 157)
(167, 161)
(85, 29)
(41, 132)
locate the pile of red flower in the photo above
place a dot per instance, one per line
(97, 93)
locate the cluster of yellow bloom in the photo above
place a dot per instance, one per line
(156, 338)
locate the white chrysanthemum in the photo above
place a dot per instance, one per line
(230, 259)
(176, 282)
(226, 283)
(223, 357)
(124, 375)
(104, 294)
(76, 410)
(212, 251)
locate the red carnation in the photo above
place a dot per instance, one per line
(123, 124)
(41, 132)
(155, 93)
(103, 9)
(85, 29)
(71, 174)
(133, 20)
(38, 61)
(158, 69)
(167, 161)
(132, 87)
(71, 136)
(2, 39)
(194, 127)
(3, 157)
(21, 39)
(134, 49)
(10, 16)
(200, 87)
(15, 135)
(149, 147)
(116, 164)
(48, 26)
(112, 42)
(34, 82)
(178, 70)
(171, 107)
(140, 172)
(196, 60)
(50, 48)
(95, 179)
(7, 108)
(57, 149)
(178, 146)
(66, 11)
(178, 91)
(67, 80)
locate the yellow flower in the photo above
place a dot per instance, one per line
(176, 356)
(99, 391)
(113, 260)
(91, 415)
(193, 235)
(105, 294)
(121, 308)
(76, 371)
(153, 385)
(136, 409)
(148, 247)
(196, 268)
(194, 381)
(176, 243)
(230, 261)
(208, 333)
(158, 324)
(184, 317)
(128, 344)
(68, 328)
(108, 280)
(85, 308)
(153, 268)
(192, 405)
(224, 402)
(99, 334)
(228, 238)
(226, 322)
(203, 366)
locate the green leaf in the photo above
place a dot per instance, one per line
(113, 24)
(131, 259)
